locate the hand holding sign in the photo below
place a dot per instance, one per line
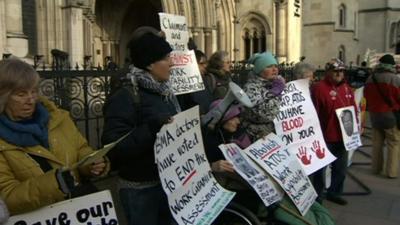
(317, 149)
(302, 155)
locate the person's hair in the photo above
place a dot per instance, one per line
(217, 59)
(301, 68)
(199, 55)
(15, 75)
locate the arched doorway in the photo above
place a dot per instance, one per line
(116, 20)
(139, 13)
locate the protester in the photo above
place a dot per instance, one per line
(361, 75)
(382, 91)
(37, 140)
(226, 131)
(264, 88)
(142, 109)
(304, 70)
(330, 94)
(218, 74)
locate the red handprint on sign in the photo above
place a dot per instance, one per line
(317, 149)
(302, 155)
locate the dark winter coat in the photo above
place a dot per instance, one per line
(134, 155)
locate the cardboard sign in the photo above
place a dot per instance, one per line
(298, 127)
(349, 127)
(194, 196)
(273, 156)
(176, 30)
(253, 174)
(185, 73)
(97, 208)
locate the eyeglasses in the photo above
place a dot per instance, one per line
(24, 96)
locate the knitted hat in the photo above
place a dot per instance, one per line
(386, 63)
(335, 64)
(147, 49)
(387, 59)
(262, 61)
(233, 111)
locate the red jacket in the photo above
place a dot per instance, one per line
(389, 85)
(327, 97)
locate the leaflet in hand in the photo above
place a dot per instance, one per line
(96, 155)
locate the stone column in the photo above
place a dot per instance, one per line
(198, 38)
(74, 21)
(17, 41)
(208, 41)
(281, 30)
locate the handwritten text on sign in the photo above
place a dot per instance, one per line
(176, 30)
(252, 173)
(271, 154)
(298, 127)
(194, 196)
(185, 73)
(97, 208)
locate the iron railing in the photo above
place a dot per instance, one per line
(83, 92)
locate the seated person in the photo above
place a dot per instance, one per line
(36, 140)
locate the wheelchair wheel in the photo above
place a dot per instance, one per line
(235, 214)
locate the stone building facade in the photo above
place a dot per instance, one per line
(100, 28)
(346, 29)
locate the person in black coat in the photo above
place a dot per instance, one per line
(141, 109)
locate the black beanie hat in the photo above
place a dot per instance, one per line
(387, 59)
(147, 49)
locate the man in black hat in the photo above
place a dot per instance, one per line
(382, 92)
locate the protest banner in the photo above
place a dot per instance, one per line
(349, 127)
(96, 209)
(194, 196)
(185, 73)
(268, 191)
(274, 157)
(298, 127)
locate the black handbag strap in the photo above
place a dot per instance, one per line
(385, 98)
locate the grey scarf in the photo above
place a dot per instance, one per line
(145, 80)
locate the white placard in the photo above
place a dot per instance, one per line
(97, 208)
(272, 155)
(176, 30)
(185, 73)
(266, 189)
(194, 195)
(298, 127)
(348, 126)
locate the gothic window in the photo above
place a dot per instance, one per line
(255, 42)
(342, 53)
(247, 45)
(263, 42)
(392, 35)
(342, 15)
(29, 24)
